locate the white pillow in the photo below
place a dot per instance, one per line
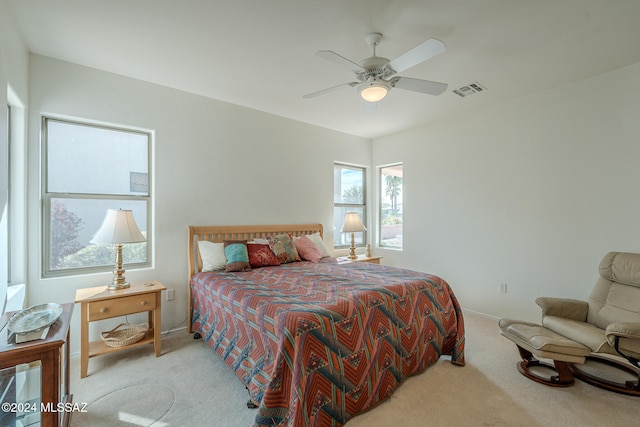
(212, 255)
(317, 240)
(260, 241)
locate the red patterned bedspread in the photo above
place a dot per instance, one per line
(317, 344)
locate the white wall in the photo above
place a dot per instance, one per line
(532, 192)
(214, 163)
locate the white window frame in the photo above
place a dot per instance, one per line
(48, 196)
(362, 206)
(5, 215)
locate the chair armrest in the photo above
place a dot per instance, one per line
(629, 349)
(563, 307)
(624, 330)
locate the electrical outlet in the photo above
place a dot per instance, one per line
(503, 287)
(169, 294)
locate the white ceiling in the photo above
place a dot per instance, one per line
(261, 53)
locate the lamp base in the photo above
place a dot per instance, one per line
(119, 281)
(118, 286)
(352, 249)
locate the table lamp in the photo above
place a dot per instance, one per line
(352, 224)
(119, 227)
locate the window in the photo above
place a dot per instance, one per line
(348, 196)
(87, 170)
(391, 206)
(4, 211)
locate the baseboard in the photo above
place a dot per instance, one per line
(172, 330)
(479, 314)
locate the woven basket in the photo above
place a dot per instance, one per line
(124, 334)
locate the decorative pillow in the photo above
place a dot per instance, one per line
(282, 246)
(212, 255)
(317, 240)
(237, 255)
(307, 249)
(261, 255)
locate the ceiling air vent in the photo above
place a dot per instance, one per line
(469, 89)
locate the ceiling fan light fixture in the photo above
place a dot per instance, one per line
(374, 91)
(375, 76)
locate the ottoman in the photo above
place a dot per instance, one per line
(535, 341)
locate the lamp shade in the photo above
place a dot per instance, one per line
(118, 227)
(352, 223)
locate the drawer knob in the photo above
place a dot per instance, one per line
(103, 310)
(143, 303)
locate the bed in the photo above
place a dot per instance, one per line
(317, 343)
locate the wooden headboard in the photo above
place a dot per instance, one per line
(219, 234)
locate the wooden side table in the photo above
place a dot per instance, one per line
(54, 362)
(361, 258)
(99, 303)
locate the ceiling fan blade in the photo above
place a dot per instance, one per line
(426, 50)
(340, 60)
(329, 89)
(422, 86)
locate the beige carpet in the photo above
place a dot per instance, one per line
(190, 386)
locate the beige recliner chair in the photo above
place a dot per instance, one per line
(572, 330)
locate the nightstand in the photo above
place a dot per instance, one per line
(99, 303)
(361, 258)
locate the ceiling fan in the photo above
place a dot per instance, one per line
(375, 76)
